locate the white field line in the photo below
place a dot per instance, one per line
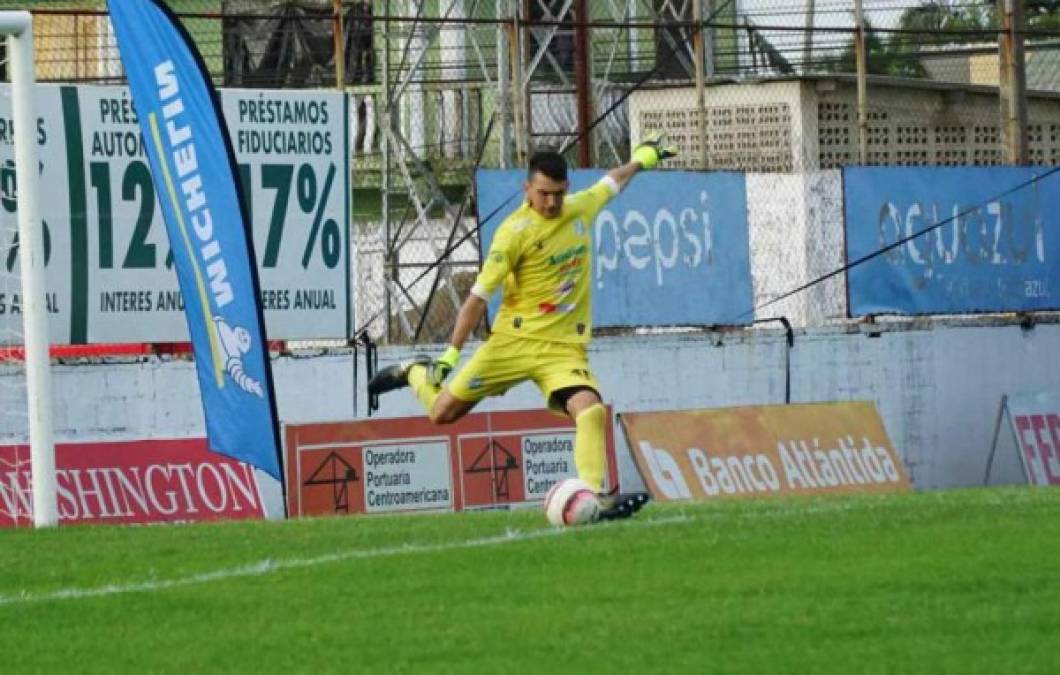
(268, 566)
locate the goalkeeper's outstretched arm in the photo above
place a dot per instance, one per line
(622, 174)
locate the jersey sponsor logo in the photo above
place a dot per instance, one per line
(551, 308)
(572, 264)
(572, 252)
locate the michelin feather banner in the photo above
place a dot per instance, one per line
(194, 171)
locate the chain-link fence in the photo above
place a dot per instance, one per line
(785, 90)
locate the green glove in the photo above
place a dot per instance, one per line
(440, 368)
(654, 148)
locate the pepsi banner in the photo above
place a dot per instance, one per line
(671, 249)
(997, 251)
(194, 171)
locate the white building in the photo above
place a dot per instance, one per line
(804, 123)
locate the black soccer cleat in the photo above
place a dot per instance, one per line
(619, 506)
(395, 376)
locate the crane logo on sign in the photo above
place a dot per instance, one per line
(338, 473)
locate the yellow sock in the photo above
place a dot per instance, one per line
(589, 441)
(425, 391)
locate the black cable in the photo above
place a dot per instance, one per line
(408, 46)
(452, 231)
(639, 83)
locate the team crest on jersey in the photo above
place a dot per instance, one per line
(579, 228)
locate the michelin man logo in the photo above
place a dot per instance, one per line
(235, 342)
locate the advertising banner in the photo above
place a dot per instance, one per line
(110, 272)
(486, 460)
(1035, 423)
(671, 249)
(757, 451)
(50, 136)
(194, 171)
(146, 481)
(998, 252)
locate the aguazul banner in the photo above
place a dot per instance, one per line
(995, 247)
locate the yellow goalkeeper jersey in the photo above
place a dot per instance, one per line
(545, 266)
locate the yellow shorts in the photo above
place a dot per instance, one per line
(505, 361)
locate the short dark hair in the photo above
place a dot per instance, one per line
(549, 163)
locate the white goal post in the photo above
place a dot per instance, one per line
(18, 28)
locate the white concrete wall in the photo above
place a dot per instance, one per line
(795, 235)
(937, 389)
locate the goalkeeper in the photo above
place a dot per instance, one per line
(541, 254)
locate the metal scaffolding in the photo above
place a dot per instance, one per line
(534, 75)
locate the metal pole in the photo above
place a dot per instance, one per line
(520, 95)
(340, 46)
(1012, 88)
(997, 432)
(504, 92)
(384, 183)
(31, 260)
(708, 38)
(414, 119)
(452, 57)
(701, 94)
(582, 83)
(807, 40)
(859, 55)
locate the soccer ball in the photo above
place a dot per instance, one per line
(571, 502)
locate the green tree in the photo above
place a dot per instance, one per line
(1042, 15)
(939, 23)
(881, 58)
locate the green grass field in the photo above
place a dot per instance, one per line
(960, 581)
